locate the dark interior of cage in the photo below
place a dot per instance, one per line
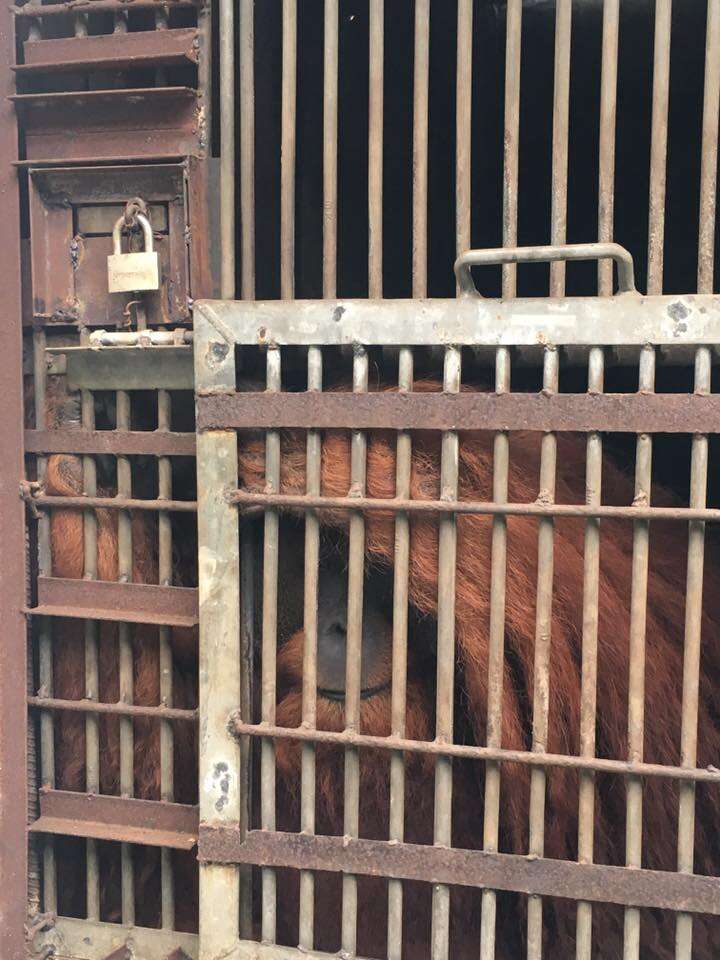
(671, 455)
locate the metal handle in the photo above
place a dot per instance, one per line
(577, 251)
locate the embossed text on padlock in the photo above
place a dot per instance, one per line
(130, 272)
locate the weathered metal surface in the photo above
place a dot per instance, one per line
(149, 822)
(143, 122)
(70, 279)
(72, 939)
(111, 503)
(130, 368)
(13, 676)
(131, 442)
(625, 320)
(251, 950)
(114, 709)
(616, 413)
(301, 502)
(74, 7)
(126, 602)
(474, 868)
(470, 752)
(114, 50)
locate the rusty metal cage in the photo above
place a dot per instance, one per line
(115, 100)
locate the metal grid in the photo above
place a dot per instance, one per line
(129, 85)
(595, 324)
(222, 326)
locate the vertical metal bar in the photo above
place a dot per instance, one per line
(636, 683)
(248, 573)
(288, 150)
(13, 650)
(513, 44)
(44, 631)
(309, 702)
(421, 79)
(375, 149)
(220, 680)
(541, 668)
(588, 683)
(167, 740)
(247, 292)
(658, 145)
(561, 121)
(608, 113)
(247, 148)
(708, 167)
(691, 661)
(401, 575)
(463, 127)
(496, 656)
(330, 146)
(447, 544)
(125, 655)
(227, 150)
(269, 650)
(404, 464)
(92, 733)
(356, 578)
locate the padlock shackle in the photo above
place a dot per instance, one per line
(146, 229)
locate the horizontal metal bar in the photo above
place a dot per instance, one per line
(471, 868)
(113, 503)
(547, 254)
(131, 94)
(134, 49)
(90, 6)
(158, 443)
(44, 162)
(110, 600)
(615, 413)
(140, 62)
(129, 367)
(251, 950)
(153, 823)
(248, 501)
(469, 752)
(626, 320)
(92, 940)
(114, 709)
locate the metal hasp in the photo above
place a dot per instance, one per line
(129, 272)
(639, 326)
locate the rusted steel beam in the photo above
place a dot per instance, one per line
(142, 48)
(153, 823)
(616, 413)
(253, 501)
(110, 123)
(108, 600)
(93, 940)
(132, 442)
(114, 709)
(473, 868)
(13, 677)
(469, 752)
(85, 6)
(112, 503)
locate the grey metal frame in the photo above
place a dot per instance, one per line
(638, 327)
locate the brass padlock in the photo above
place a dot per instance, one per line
(130, 272)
